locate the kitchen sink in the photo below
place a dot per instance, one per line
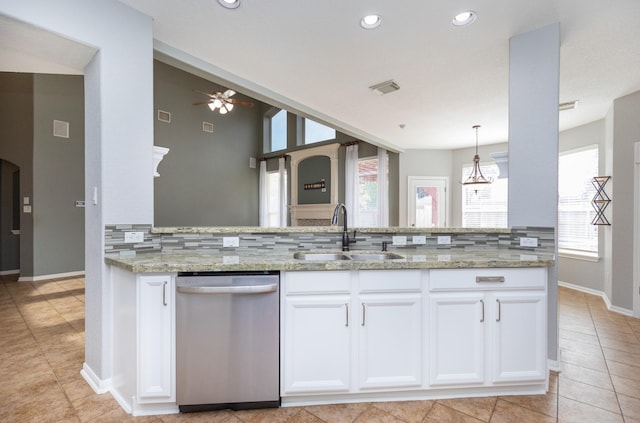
(375, 256)
(364, 256)
(320, 256)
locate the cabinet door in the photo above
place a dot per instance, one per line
(317, 344)
(156, 340)
(390, 341)
(456, 338)
(519, 336)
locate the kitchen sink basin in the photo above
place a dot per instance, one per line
(375, 256)
(346, 256)
(320, 256)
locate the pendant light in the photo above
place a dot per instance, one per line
(476, 177)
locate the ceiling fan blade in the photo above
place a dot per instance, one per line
(228, 93)
(207, 94)
(203, 102)
(240, 102)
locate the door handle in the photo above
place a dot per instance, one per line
(164, 293)
(363, 313)
(482, 318)
(242, 289)
(499, 310)
(346, 307)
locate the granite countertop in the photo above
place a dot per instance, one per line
(316, 229)
(260, 261)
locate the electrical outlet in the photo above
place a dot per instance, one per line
(230, 241)
(528, 242)
(419, 240)
(399, 240)
(444, 239)
(131, 237)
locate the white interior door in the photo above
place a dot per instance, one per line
(636, 241)
(427, 201)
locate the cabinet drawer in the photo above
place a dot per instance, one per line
(321, 282)
(494, 278)
(390, 280)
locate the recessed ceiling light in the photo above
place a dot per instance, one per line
(229, 4)
(464, 18)
(371, 21)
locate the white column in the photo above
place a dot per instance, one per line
(534, 68)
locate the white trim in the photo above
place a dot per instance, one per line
(9, 272)
(578, 255)
(98, 385)
(636, 230)
(52, 276)
(554, 365)
(600, 294)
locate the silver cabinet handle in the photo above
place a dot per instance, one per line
(482, 318)
(481, 279)
(363, 313)
(499, 310)
(164, 293)
(346, 307)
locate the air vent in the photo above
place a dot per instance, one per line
(385, 87)
(568, 105)
(207, 126)
(164, 116)
(60, 129)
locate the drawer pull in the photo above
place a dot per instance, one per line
(481, 279)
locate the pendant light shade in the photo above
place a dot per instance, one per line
(476, 176)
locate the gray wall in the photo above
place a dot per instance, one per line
(16, 146)
(9, 243)
(51, 169)
(58, 173)
(205, 179)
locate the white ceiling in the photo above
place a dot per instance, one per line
(313, 58)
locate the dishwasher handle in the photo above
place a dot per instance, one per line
(240, 289)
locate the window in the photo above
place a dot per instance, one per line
(367, 215)
(484, 206)
(576, 168)
(316, 132)
(276, 127)
(273, 198)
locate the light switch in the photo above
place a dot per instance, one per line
(399, 240)
(419, 240)
(528, 242)
(230, 241)
(131, 237)
(444, 239)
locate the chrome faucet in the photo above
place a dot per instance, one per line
(345, 234)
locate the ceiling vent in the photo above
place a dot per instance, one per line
(207, 126)
(385, 87)
(60, 129)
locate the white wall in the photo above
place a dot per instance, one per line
(421, 163)
(118, 135)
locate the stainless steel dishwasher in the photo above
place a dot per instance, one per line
(227, 334)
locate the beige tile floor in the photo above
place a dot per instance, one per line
(42, 351)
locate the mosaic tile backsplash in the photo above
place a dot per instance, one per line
(204, 242)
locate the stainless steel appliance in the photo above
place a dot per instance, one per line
(227, 333)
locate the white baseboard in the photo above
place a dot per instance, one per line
(98, 385)
(553, 365)
(52, 276)
(9, 272)
(600, 294)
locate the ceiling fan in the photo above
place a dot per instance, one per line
(222, 101)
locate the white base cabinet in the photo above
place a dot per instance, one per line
(487, 327)
(381, 334)
(344, 332)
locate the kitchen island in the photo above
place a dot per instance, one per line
(465, 318)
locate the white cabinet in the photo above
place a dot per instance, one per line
(344, 332)
(316, 332)
(317, 347)
(156, 339)
(457, 338)
(389, 329)
(487, 322)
